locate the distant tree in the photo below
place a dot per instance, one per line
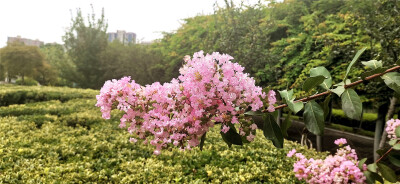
(58, 59)
(21, 60)
(85, 41)
(46, 74)
(141, 62)
(2, 69)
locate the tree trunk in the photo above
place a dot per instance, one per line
(389, 115)
(319, 143)
(278, 119)
(23, 80)
(330, 111)
(380, 122)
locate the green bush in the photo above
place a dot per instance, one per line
(27, 82)
(53, 107)
(368, 120)
(56, 142)
(58, 153)
(11, 94)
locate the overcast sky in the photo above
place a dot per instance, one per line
(47, 20)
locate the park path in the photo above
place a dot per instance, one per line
(362, 144)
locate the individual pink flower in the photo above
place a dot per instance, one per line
(271, 97)
(225, 129)
(341, 141)
(253, 126)
(250, 137)
(133, 140)
(291, 153)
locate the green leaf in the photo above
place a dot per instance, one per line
(392, 80)
(372, 72)
(348, 81)
(373, 64)
(312, 82)
(395, 159)
(381, 151)
(358, 54)
(372, 177)
(361, 163)
(338, 90)
(372, 167)
(396, 146)
(324, 72)
(397, 131)
(286, 124)
(272, 131)
(254, 113)
(387, 172)
(231, 137)
(325, 106)
(203, 138)
(287, 95)
(314, 118)
(351, 104)
(295, 107)
(392, 142)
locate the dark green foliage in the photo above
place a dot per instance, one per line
(84, 43)
(27, 82)
(18, 59)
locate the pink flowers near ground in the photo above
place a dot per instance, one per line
(210, 89)
(340, 168)
(391, 127)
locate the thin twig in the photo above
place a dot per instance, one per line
(384, 155)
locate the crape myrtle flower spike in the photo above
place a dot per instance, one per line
(210, 89)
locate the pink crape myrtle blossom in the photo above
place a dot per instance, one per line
(210, 89)
(341, 168)
(340, 141)
(391, 127)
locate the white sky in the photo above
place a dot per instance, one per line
(47, 20)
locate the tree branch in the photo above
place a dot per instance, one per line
(306, 99)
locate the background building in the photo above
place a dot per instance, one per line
(122, 36)
(26, 41)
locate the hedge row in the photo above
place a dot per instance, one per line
(11, 94)
(53, 107)
(80, 147)
(368, 120)
(58, 153)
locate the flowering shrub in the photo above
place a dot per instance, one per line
(75, 145)
(210, 89)
(339, 168)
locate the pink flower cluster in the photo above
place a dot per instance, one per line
(391, 127)
(340, 168)
(210, 89)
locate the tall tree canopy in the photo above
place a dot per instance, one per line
(21, 60)
(85, 41)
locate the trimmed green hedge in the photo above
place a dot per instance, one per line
(59, 153)
(11, 94)
(53, 107)
(27, 82)
(40, 145)
(368, 122)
